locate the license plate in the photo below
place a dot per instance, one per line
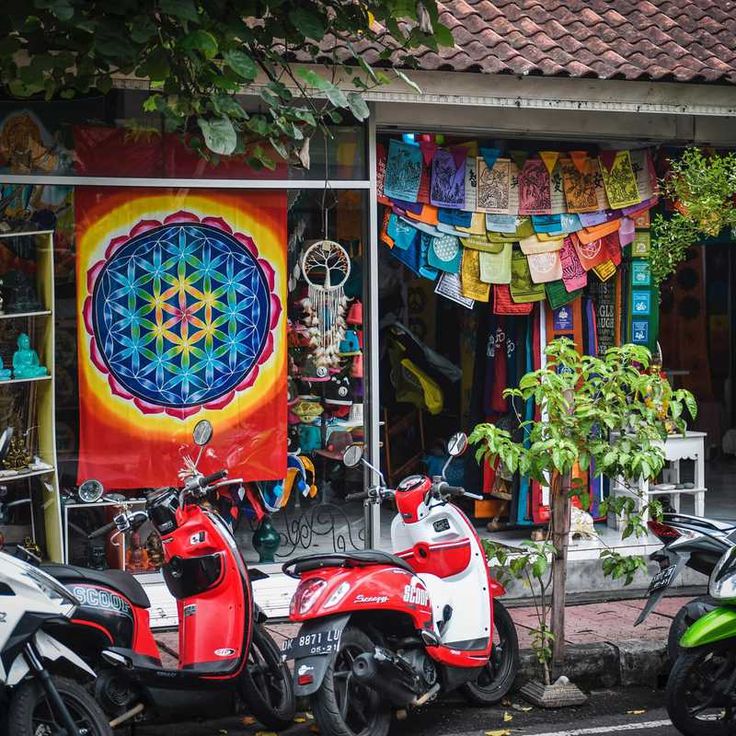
(313, 644)
(662, 579)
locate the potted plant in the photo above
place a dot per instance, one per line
(611, 413)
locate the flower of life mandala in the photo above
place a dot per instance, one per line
(181, 313)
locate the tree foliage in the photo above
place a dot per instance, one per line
(201, 56)
(611, 413)
(703, 188)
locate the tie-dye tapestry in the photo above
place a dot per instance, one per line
(181, 302)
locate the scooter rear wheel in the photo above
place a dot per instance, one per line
(341, 706)
(497, 677)
(267, 684)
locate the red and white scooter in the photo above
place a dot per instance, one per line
(228, 662)
(383, 632)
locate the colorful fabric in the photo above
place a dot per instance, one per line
(495, 268)
(545, 267)
(523, 289)
(558, 295)
(445, 254)
(403, 171)
(619, 179)
(448, 179)
(181, 318)
(534, 189)
(472, 286)
(494, 187)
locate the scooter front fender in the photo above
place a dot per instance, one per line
(718, 625)
(50, 650)
(310, 669)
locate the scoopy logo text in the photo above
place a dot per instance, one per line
(416, 593)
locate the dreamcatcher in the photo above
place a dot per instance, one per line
(326, 267)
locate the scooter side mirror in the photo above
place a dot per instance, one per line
(457, 444)
(202, 433)
(352, 456)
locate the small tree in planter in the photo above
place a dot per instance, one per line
(582, 400)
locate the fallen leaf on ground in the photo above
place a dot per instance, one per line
(507, 717)
(248, 720)
(314, 728)
(501, 732)
(522, 708)
(300, 719)
(635, 712)
(266, 733)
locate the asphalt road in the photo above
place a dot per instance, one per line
(631, 712)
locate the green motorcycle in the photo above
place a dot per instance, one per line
(701, 690)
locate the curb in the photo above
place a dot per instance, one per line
(628, 663)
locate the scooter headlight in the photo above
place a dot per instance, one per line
(722, 584)
(306, 595)
(51, 587)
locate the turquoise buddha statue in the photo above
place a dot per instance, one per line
(25, 360)
(5, 373)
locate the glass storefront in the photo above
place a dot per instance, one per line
(242, 305)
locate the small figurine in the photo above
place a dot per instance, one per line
(32, 546)
(155, 549)
(5, 373)
(137, 556)
(18, 457)
(25, 360)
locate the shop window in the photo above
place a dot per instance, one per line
(111, 137)
(172, 304)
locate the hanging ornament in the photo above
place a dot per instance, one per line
(326, 267)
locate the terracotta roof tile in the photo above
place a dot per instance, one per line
(682, 40)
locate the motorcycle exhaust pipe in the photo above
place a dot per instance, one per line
(386, 678)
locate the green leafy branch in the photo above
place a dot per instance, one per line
(703, 187)
(202, 58)
(611, 413)
(530, 564)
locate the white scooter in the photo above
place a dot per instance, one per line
(383, 631)
(35, 700)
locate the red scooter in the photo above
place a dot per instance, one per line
(227, 659)
(383, 632)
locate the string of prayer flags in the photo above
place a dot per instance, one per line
(531, 225)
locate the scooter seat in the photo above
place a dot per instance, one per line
(363, 558)
(120, 581)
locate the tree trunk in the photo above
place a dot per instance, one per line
(560, 539)
(560, 499)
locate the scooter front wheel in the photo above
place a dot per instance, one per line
(497, 677)
(267, 684)
(344, 707)
(698, 701)
(30, 714)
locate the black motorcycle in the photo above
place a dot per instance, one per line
(689, 541)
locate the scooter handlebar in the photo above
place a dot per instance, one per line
(360, 496)
(207, 480)
(102, 530)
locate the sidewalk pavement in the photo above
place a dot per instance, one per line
(604, 648)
